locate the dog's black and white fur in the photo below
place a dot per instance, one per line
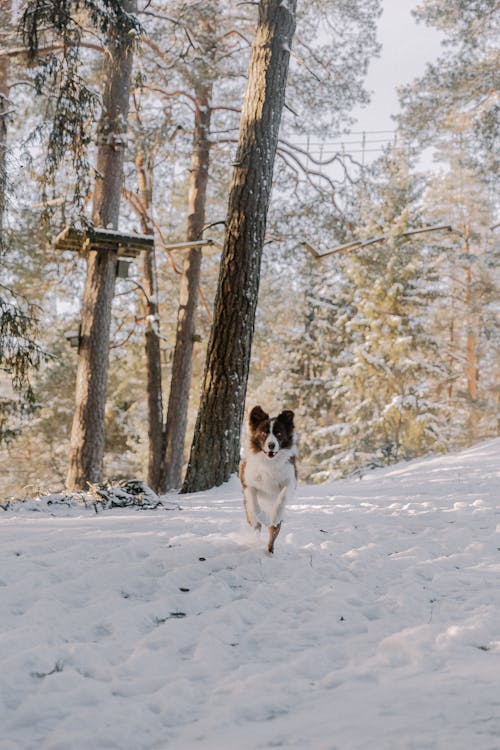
(268, 472)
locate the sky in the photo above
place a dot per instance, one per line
(407, 47)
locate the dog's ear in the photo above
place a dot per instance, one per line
(257, 415)
(286, 417)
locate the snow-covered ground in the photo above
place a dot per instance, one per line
(375, 625)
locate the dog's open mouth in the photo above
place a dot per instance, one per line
(271, 454)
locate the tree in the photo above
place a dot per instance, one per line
(198, 43)
(20, 355)
(215, 450)
(53, 35)
(5, 18)
(460, 90)
(87, 434)
(454, 107)
(201, 80)
(180, 384)
(144, 203)
(176, 36)
(467, 325)
(216, 32)
(376, 366)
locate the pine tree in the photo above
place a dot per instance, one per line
(60, 24)
(388, 368)
(204, 77)
(469, 326)
(454, 108)
(87, 434)
(215, 450)
(459, 91)
(20, 355)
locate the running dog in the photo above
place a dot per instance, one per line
(268, 471)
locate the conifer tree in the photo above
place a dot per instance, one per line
(467, 324)
(215, 450)
(202, 77)
(459, 92)
(383, 376)
(387, 384)
(454, 108)
(87, 434)
(20, 355)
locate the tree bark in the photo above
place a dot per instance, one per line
(87, 434)
(152, 344)
(215, 449)
(6, 20)
(472, 326)
(175, 428)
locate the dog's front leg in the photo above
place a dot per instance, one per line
(276, 516)
(273, 533)
(251, 507)
(279, 507)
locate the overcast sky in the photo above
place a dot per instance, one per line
(407, 47)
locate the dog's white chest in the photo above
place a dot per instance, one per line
(269, 476)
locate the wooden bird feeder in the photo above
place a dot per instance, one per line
(97, 238)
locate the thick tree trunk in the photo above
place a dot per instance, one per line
(152, 346)
(215, 450)
(175, 428)
(87, 434)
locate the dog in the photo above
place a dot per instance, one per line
(268, 471)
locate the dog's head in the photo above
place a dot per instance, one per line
(270, 434)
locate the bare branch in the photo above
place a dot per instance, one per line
(172, 94)
(360, 244)
(18, 51)
(309, 173)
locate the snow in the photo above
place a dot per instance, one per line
(375, 624)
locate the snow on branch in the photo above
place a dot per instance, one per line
(359, 244)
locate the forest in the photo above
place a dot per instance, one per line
(191, 223)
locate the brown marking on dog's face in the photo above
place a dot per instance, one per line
(257, 415)
(261, 426)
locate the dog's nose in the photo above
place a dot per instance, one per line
(271, 446)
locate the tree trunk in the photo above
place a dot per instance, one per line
(152, 347)
(175, 428)
(87, 434)
(472, 325)
(215, 450)
(5, 18)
